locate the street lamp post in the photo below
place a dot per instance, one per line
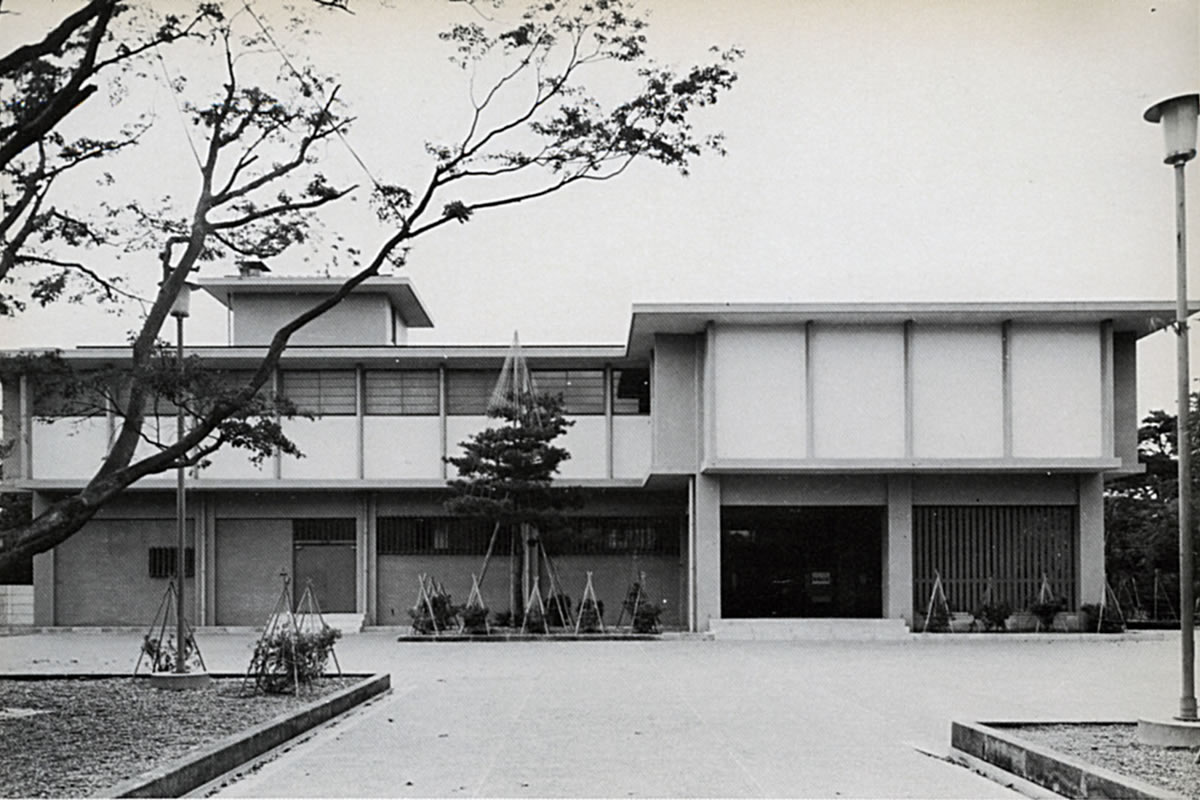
(180, 310)
(1178, 116)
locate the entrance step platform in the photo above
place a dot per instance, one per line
(346, 623)
(860, 630)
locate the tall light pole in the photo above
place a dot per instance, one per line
(180, 310)
(1178, 115)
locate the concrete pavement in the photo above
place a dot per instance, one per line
(671, 718)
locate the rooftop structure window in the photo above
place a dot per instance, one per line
(321, 392)
(631, 391)
(402, 392)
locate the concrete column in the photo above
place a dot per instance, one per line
(707, 558)
(1091, 539)
(43, 576)
(208, 585)
(898, 557)
(361, 538)
(372, 560)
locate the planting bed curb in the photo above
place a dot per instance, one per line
(185, 774)
(1057, 772)
(531, 637)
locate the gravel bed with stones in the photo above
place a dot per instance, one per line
(72, 737)
(1116, 748)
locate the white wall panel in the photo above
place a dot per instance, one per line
(1056, 388)
(328, 444)
(157, 429)
(585, 442)
(232, 463)
(68, 448)
(858, 391)
(402, 447)
(631, 446)
(760, 392)
(459, 429)
(958, 391)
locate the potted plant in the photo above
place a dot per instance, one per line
(1046, 609)
(1094, 619)
(591, 612)
(992, 616)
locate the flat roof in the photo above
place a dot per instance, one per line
(399, 290)
(1141, 317)
(378, 356)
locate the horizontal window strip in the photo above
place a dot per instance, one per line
(398, 536)
(582, 391)
(402, 392)
(322, 392)
(567, 537)
(328, 530)
(468, 391)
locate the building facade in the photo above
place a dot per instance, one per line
(820, 461)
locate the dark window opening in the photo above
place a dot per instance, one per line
(333, 530)
(631, 391)
(163, 559)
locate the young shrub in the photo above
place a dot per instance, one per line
(442, 618)
(643, 613)
(590, 615)
(290, 659)
(1047, 610)
(162, 656)
(992, 616)
(555, 613)
(504, 619)
(474, 619)
(1091, 621)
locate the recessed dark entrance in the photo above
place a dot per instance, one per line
(802, 562)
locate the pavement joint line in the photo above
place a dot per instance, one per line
(759, 791)
(491, 765)
(343, 722)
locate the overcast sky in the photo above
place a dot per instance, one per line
(883, 150)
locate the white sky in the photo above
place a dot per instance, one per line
(880, 150)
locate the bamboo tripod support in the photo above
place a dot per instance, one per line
(589, 593)
(167, 612)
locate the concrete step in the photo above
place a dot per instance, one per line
(810, 629)
(346, 623)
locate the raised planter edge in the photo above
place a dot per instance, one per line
(184, 774)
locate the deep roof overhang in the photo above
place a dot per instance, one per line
(398, 290)
(380, 357)
(650, 319)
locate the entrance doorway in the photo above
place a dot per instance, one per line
(324, 557)
(802, 561)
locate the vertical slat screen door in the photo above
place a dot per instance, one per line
(1012, 545)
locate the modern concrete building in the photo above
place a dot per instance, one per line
(754, 461)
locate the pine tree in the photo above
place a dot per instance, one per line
(506, 474)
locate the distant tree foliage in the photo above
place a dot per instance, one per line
(1141, 513)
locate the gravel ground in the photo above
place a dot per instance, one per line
(1115, 747)
(93, 733)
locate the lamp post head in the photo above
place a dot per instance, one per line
(1178, 118)
(181, 306)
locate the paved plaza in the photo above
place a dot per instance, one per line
(672, 717)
